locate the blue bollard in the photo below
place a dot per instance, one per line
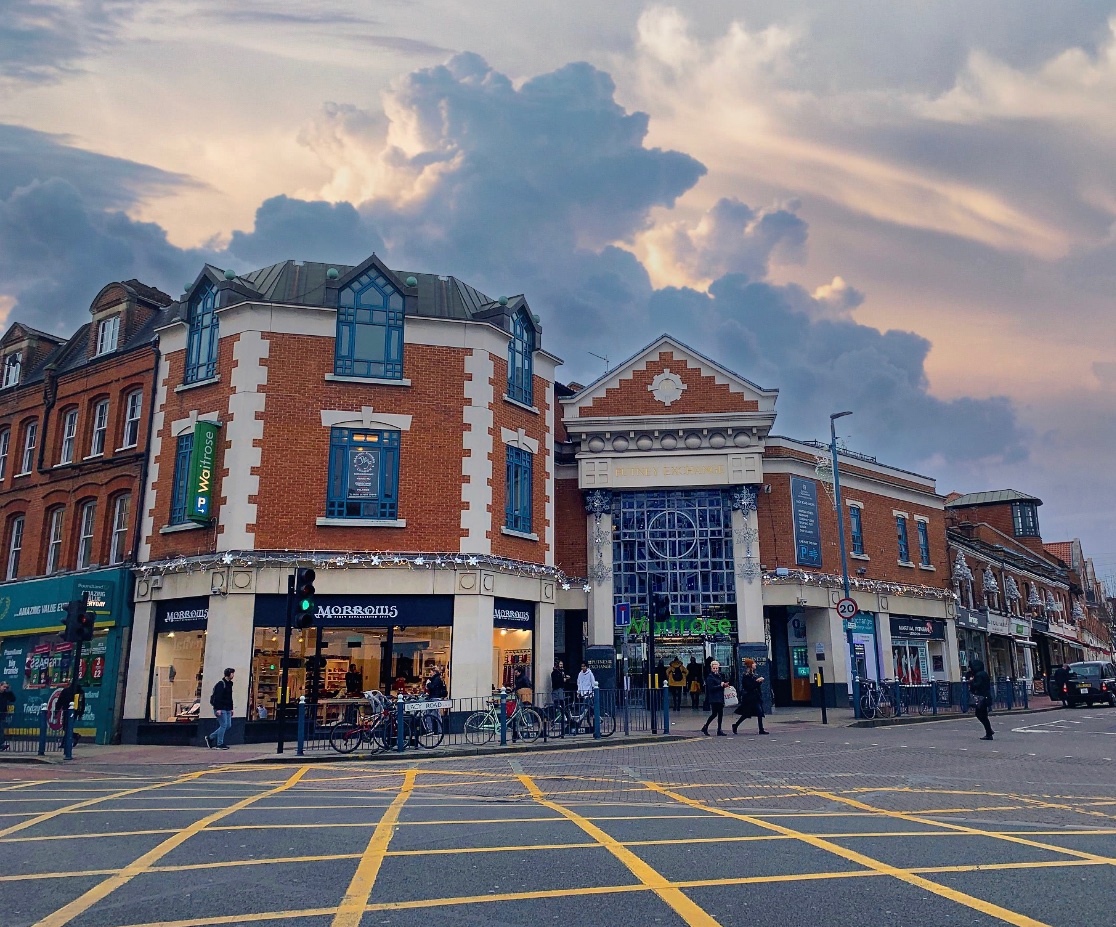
(43, 730)
(300, 750)
(666, 708)
(596, 711)
(897, 699)
(503, 718)
(1026, 700)
(400, 741)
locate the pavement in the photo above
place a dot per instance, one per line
(812, 825)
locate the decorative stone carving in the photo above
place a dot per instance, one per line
(667, 387)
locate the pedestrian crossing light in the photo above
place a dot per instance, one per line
(304, 597)
(660, 607)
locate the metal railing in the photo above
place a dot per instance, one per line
(55, 734)
(943, 697)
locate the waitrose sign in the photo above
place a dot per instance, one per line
(203, 466)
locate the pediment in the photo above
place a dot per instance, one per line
(669, 378)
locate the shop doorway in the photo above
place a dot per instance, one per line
(790, 656)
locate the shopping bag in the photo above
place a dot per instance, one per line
(731, 699)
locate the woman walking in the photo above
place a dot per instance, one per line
(715, 696)
(751, 696)
(693, 682)
(980, 694)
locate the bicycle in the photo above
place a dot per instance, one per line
(875, 700)
(379, 727)
(916, 697)
(524, 723)
(562, 719)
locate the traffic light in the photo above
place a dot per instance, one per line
(71, 623)
(660, 607)
(304, 597)
(86, 621)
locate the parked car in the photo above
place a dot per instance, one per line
(1091, 682)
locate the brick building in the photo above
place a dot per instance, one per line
(74, 421)
(392, 429)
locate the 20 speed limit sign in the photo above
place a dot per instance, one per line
(846, 608)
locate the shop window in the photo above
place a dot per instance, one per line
(369, 329)
(5, 442)
(183, 449)
(54, 540)
(521, 359)
(30, 438)
(100, 427)
(202, 335)
(856, 526)
(267, 655)
(108, 334)
(118, 551)
(177, 685)
(904, 544)
(69, 435)
(1024, 517)
(88, 521)
(133, 407)
(363, 474)
(517, 505)
(15, 546)
(923, 542)
(13, 363)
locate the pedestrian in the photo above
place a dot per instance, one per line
(435, 685)
(980, 694)
(676, 679)
(586, 681)
(704, 675)
(715, 697)
(660, 673)
(751, 696)
(7, 706)
(524, 688)
(1061, 685)
(354, 682)
(558, 682)
(222, 702)
(693, 682)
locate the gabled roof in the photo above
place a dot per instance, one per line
(1063, 550)
(21, 330)
(994, 497)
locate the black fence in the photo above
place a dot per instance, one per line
(892, 699)
(378, 724)
(48, 738)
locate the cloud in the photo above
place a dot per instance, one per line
(42, 40)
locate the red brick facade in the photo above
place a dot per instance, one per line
(703, 394)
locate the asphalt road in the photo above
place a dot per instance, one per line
(917, 825)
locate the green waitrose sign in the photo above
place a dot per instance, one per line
(203, 470)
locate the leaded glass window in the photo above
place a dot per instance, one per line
(674, 542)
(201, 339)
(183, 449)
(521, 359)
(369, 329)
(363, 474)
(901, 533)
(856, 526)
(517, 505)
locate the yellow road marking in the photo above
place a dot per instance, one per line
(977, 904)
(83, 903)
(690, 912)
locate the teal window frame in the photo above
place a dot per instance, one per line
(904, 542)
(521, 359)
(520, 466)
(202, 336)
(923, 529)
(856, 529)
(369, 329)
(384, 445)
(183, 449)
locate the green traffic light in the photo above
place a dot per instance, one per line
(305, 605)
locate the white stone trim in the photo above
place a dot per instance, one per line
(208, 381)
(184, 526)
(181, 425)
(244, 434)
(522, 405)
(367, 381)
(154, 446)
(519, 439)
(548, 471)
(526, 535)
(896, 513)
(852, 504)
(361, 522)
(476, 464)
(365, 418)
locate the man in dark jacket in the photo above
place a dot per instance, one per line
(980, 693)
(7, 706)
(694, 679)
(1060, 689)
(222, 702)
(558, 682)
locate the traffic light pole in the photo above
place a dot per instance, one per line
(284, 670)
(651, 687)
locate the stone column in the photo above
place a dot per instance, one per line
(139, 661)
(544, 648)
(228, 642)
(746, 558)
(471, 650)
(598, 531)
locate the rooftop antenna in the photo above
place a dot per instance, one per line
(599, 357)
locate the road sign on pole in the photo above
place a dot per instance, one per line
(623, 614)
(847, 609)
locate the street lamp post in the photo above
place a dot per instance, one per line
(853, 687)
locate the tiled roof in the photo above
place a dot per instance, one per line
(991, 498)
(1063, 550)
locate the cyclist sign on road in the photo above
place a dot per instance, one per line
(847, 609)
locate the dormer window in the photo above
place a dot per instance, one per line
(369, 329)
(13, 363)
(108, 334)
(1024, 518)
(521, 359)
(201, 340)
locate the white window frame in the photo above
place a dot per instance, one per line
(5, 444)
(100, 428)
(30, 439)
(133, 410)
(15, 546)
(120, 509)
(69, 436)
(54, 539)
(13, 366)
(88, 521)
(108, 335)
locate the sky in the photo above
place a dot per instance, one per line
(906, 210)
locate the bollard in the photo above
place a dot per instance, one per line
(300, 750)
(596, 711)
(1025, 694)
(626, 695)
(857, 713)
(503, 718)
(400, 716)
(897, 701)
(821, 689)
(68, 733)
(934, 695)
(43, 730)
(666, 708)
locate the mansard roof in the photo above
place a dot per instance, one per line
(995, 497)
